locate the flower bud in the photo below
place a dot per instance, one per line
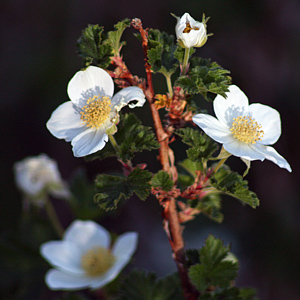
(190, 33)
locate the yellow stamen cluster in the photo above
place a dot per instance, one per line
(97, 261)
(96, 111)
(188, 28)
(246, 129)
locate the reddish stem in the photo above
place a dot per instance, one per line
(170, 214)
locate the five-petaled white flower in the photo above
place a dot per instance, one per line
(244, 130)
(84, 259)
(36, 176)
(92, 111)
(190, 33)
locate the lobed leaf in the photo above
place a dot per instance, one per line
(163, 181)
(113, 189)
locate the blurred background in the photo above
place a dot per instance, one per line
(258, 41)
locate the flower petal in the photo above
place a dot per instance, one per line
(126, 95)
(90, 141)
(57, 280)
(269, 119)
(65, 122)
(213, 128)
(271, 154)
(87, 235)
(90, 82)
(236, 104)
(64, 255)
(123, 249)
(243, 150)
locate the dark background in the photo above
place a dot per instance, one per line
(258, 41)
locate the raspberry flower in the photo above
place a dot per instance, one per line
(38, 176)
(244, 130)
(83, 259)
(190, 33)
(91, 114)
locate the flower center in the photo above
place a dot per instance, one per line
(97, 261)
(246, 129)
(96, 111)
(188, 28)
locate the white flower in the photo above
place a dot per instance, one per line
(92, 110)
(190, 33)
(37, 176)
(83, 259)
(244, 130)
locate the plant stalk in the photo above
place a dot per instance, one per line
(54, 219)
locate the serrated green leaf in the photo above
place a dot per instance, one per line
(206, 78)
(131, 137)
(114, 37)
(232, 184)
(140, 285)
(202, 146)
(162, 180)
(93, 48)
(112, 189)
(213, 270)
(161, 48)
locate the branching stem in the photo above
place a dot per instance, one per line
(171, 219)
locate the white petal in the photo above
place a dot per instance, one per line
(90, 82)
(243, 150)
(126, 95)
(87, 235)
(236, 104)
(271, 154)
(213, 128)
(65, 122)
(64, 255)
(57, 280)
(123, 248)
(269, 119)
(90, 141)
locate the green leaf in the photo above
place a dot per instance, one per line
(162, 180)
(179, 53)
(213, 270)
(112, 189)
(93, 48)
(139, 285)
(202, 146)
(232, 184)
(131, 137)
(134, 137)
(114, 37)
(161, 49)
(233, 293)
(206, 78)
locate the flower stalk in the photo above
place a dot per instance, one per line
(185, 61)
(54, 219)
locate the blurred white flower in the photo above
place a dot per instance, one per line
(92, 111)
(37, 176)
(84, 259)
(244, 130)
(190, 33)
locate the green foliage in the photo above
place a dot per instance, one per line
(161, 48)
(232, 293)
(93, 48)
(162, 180)
(112, 189)
(114, 37)
(139, 285)
(82, 202)
(213, 270)
(202, 146)
(206, 78)
(131, 137)
(179, 53)
(232, 184)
